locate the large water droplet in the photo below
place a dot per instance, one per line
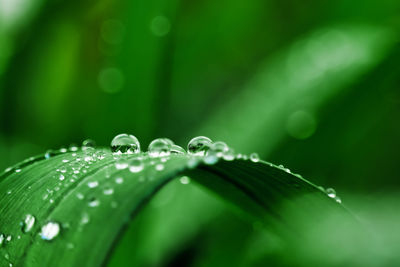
(199, 145)
(50, 231)
(254, 157)
(136, 165)
(124, 143)
(229, 155)
(160, 147)
(28, 223)
(88, 144)
(175, 149)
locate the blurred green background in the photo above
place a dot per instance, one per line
(312, 85)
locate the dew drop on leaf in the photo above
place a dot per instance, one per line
(254, 157)
(121, 163)
(160, 147)
(211, 157)
(108, 191)
(2, 238)
(330, 192)
(73, 147)
(93, 202)
(159, 167)
(119, 180)
(199, 145)
(135, 165)
(220, 148)
(93, 184)
(50, 231)
(124, 143)
(175, 149)
(28, 223)
(88, 145)
(184, 180)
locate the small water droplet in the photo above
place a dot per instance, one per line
(62, 169)
(18, 170)
(211, 157)
(192, 163)
(119, 180)
(254, 157)
(124, 143)
(199, 145)
(9, 237)
(160, 147)
(80, 196)
(338, 199)
(9, 192)
(93, 202)
(229, 155)
(330, 192)
(61, 178)
(48, 154)
(108, 191)
(65, 160)
(88, 145)
(93, 184)
(2, 238)
(135, 165)
(160, 167)
(220, 148)
(73, 147)
(184, 180)
(63, 150)
(121, 163)
(28, 223)
(85, 218)
(50, 231)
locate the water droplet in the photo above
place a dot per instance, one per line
(175, 149)
(121, 163)
(73, 147)
(18, 170)
(85, 218)
(93, 202)
(184, 180)
(100, 155)
(254, 157)
(108, 191)
(2, 238)
(62, 169)
(48, 154)
(80, 196)
(160, 167)
(229, 155)
(63, 150)
(220, 148)
(93, 184)
(211, 157)
(124, 143)
(119, 180)
(199, 145)
(50, 231)
(61, 178)
(9, 237)
(330, 192)
(28, 223)
(88, 145)
(192, 163)
(338, 199)
(160, 147)
(136, 165)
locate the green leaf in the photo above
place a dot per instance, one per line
(92, 201)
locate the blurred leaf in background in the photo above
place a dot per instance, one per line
(313, 85)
